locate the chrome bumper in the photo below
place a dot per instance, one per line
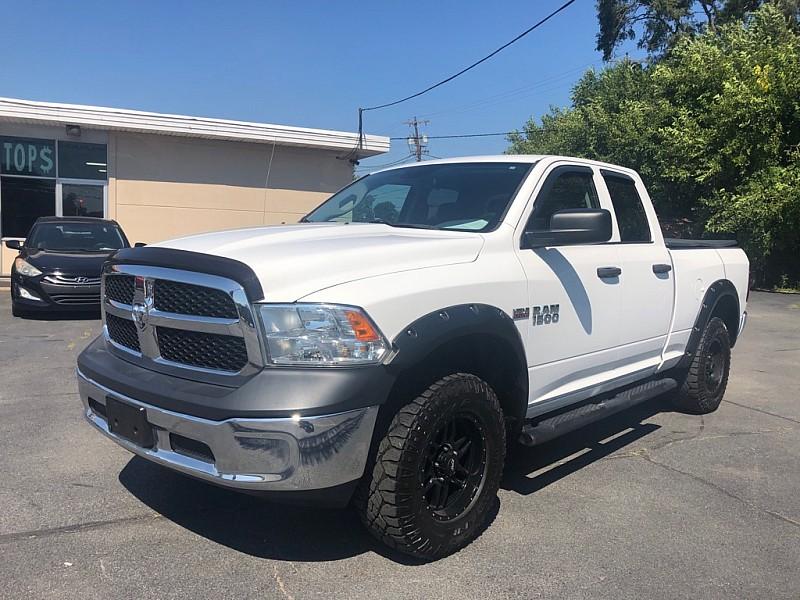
(288, 454)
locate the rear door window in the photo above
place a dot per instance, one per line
(628, 208)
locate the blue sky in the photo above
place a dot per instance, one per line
(303, 63)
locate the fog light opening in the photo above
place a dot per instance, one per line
(28, 295)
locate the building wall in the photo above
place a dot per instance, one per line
(162, 187)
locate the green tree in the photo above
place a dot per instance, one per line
(713, 127)
(660, 24)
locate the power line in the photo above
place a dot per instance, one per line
(391, 164)
(353, 154)
(475, 64)
(463, 135)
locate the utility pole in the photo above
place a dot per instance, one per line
(417, 143)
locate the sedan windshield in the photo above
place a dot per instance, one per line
(75, 237)
(458, 196)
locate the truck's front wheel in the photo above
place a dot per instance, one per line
(438, 469)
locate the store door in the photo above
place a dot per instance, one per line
(82, 199)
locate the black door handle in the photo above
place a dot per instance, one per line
(661, 268)
(608, 272)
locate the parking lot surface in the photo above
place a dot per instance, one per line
(648, 504)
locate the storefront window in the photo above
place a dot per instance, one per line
(43, 178)
(79, 200)
(28, 156)
(23, 201)
(77, 160)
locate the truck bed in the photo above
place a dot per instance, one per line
(684, 244)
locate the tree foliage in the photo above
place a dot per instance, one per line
(713, 127)
(661, 24)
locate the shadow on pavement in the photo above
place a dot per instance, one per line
(601, 439)
(253, 525)
(264, 529)
(246, 523)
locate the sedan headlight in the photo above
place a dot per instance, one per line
(23, 267)
(321, 334)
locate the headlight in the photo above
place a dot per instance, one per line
(23, 267)
(321, 334)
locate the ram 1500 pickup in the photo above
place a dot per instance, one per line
(384, 350)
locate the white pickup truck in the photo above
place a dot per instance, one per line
(386, 348)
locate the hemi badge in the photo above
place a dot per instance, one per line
(139, 282)
(522, 313)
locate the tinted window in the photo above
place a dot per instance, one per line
(23, 201)
(461, 196)
(83, 237)
(82, 161)
(628, 208)
(565, 188)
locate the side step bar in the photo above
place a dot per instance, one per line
(545, 430)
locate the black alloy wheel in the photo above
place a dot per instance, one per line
(455, 467)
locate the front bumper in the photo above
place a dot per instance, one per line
(54, 297)
(289, 454)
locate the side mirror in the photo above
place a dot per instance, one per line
(572, 226)
(139, 245)
(14, 244)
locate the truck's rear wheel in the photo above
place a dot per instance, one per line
(438, 469)
(703, 384)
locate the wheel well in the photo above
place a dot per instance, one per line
(727, 309)
(491, 358)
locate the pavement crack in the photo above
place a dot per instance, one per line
(277, 577)
(762, 411)
(77, 528)
(645, 454)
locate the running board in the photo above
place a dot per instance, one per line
(533, 434)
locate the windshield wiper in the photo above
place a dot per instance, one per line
(398, 224)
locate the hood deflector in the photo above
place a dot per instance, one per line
(197, 262)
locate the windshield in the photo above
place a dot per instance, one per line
(457, 196)
(76, 237)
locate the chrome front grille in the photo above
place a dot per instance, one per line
(119, 288)
(122, 332)
(207, 350)
(59, 279)
(189, 299)
(180, 322)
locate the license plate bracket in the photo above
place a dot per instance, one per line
(129, 422)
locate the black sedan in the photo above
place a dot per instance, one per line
(60, 263)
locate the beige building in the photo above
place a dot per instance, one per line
(161, 175)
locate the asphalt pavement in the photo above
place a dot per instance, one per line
(648, 504)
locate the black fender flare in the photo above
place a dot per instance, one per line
(718, 290)
(435, 330)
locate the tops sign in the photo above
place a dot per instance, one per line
(27, 156)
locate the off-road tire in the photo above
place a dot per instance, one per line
(703, 383)
(397, 510)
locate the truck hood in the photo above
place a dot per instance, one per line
(292, 261)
